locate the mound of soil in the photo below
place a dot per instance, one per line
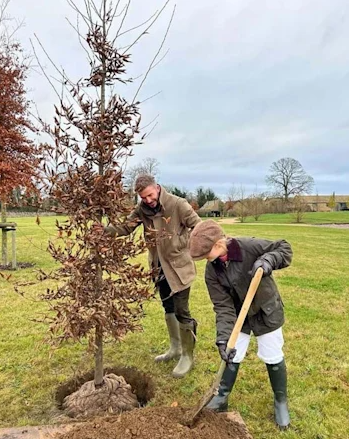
(159, 423)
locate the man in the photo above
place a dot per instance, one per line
(231, 264)
(167, 220)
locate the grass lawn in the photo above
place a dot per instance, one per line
(308, 218)
(315, 292)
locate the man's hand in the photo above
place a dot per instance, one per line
(227, 357)
(264, 265)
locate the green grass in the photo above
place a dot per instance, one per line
(315, 292)
(308, 218)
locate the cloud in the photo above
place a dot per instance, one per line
(244, 84)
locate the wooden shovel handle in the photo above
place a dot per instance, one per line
(245, 307)
(251, 292)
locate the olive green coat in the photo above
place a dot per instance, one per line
(170, 229)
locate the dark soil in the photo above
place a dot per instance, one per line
(19, 265)
(159, 423)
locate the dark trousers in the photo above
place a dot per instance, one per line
(178, 303)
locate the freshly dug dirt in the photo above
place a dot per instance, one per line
(159, 423)
(115, 396)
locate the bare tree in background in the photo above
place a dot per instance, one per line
(256, 204)
(241, 205)
(287, 178)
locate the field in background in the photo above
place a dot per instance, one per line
(315, 293)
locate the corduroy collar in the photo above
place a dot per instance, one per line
(234, 250)
(234, 254)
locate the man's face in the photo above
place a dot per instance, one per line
(150, 195)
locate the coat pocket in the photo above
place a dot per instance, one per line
(272, 312)
(184, 267)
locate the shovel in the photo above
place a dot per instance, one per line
(193, 414)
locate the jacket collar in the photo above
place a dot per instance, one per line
(234, 250)
(234, 254)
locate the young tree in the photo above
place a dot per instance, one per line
(101, 288)
(299, 208)
(19, 156)
(288, 178)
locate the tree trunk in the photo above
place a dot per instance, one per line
(4, 234)
(98, 378)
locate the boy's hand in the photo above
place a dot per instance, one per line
(264, 265)
(227, 357)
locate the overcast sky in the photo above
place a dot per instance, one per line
(245, 83)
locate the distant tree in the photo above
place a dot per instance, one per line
(19, 156)
(200, 196)
(241, 207)
(288, 178)
(232, 194)
(332, 201)
(299, 208)
(256, 204)
(203, 195)
(183, 193)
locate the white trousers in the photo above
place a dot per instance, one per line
(269, 347)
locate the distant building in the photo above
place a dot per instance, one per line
(326, 203)
(211, 208)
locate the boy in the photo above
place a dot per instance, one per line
(231, 264)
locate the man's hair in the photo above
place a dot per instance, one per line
(143, 181)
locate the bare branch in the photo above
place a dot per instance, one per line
(123, 18)
(78, 11)
(43, 70)
(156, 55)
(147, 29)
(80, 37)
(136, 27)
(148, 124)
(150, 97)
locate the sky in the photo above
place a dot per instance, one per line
(244, 83)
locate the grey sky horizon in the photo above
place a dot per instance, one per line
(244, 84)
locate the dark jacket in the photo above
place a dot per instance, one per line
(169, 227)
(228, 282)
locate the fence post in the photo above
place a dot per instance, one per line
(14, 260)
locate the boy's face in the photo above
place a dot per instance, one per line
(216, 252)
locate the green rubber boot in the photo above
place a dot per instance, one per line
(278, 380)
(219, 403)
(187, 333)
(175, 348)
